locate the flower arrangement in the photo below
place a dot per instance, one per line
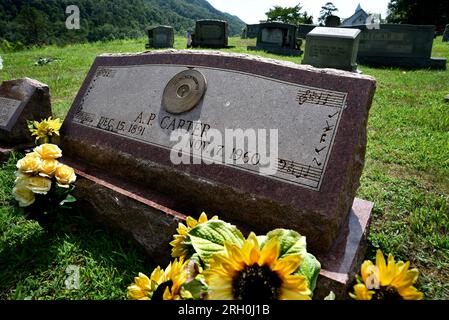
(42, 180)
(46, 130)
(214, 261)
(386, 280)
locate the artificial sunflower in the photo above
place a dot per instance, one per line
(387, 281)
(255, 274)
(162, 284)
(45, 129)
(181, 247)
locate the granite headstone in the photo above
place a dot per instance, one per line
(304, 29)
(332, 48)
(161, 37)
(118, 134)
(398, 45)
(210, 34)
(278, 38)
(21, 100)
(332, 21)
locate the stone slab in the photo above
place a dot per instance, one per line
(161, 37)
(321, 116)
(278, 38)
(149, 220)
(398, 45)
(21, 100)
(332, 48)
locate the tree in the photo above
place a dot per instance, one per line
(327, 10)
(33, 25)
(291, 15)
(435, 12)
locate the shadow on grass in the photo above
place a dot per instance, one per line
(33, 263)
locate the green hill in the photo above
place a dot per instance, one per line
(43, 21)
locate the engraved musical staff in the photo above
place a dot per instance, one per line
(300, 170)
(320, 97)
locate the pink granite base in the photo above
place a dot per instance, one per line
(148, 219)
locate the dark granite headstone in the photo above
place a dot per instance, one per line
(332, 48)
(210, 34)
(304, 29)
(161, 37)
(446, 34)
(398, 45)
(278, 38)
(21, 100)
(252, 31)
(117, 135)
(332, 21)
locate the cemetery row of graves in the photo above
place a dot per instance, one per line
(91, 206)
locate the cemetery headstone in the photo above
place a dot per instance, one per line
(332, 21)
(161, 37)
(304, 29)
(398, 45)
(211, 34)
(278, 38)
(252, 31)
(21, 100)
(446, 34)
(332, 48)
(320, 117)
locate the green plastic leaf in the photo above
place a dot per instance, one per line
(291, 242)
(330, 296)
(310, 268)
(209, 238)
(68, 199)
(196, 288)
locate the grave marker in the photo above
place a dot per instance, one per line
(332, 48)
(278, 38)
(161, 37)
(118, 135)
(398, 45)
(21, 100)
(211, 34)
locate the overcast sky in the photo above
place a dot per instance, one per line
(252, 11)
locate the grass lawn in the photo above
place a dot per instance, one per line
(406, 176)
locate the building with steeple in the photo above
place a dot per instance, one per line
(359, 17)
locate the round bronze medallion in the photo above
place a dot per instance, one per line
(184, 91)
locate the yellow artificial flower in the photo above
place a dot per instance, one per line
(38, 185)
(162, 284)
(30, 164)
(48, 151)
(387, 281)
(180, 248)
(23, 195)
(253, 273)
(54, 125)
(48, 167)
(65, 175)
(45, 129)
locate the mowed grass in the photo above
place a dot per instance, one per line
(406, 176)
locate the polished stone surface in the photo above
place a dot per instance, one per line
(321, 116)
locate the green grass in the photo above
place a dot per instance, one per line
(406, 176)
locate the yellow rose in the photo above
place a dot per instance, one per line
(65, 175)
(23, 195)
(48, 151)
(39, 185)
(29, 164)
(48, 168)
